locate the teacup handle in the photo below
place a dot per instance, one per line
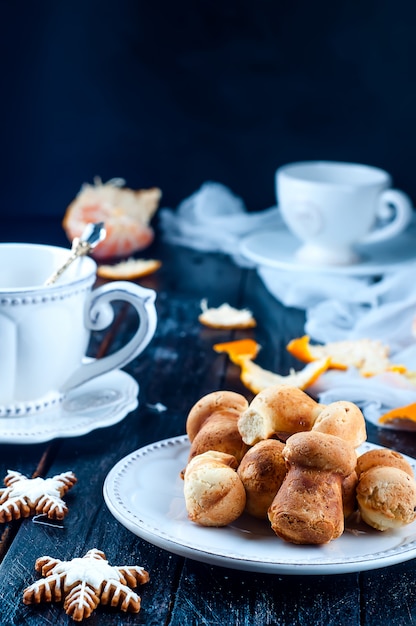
(391, 200)
(99, 314)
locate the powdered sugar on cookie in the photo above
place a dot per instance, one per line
(84, 583)
(24, 496)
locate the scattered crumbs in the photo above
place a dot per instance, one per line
(158, 407)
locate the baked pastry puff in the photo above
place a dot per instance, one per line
(386, 490)
(262, 471)
(308, 508)
(212, 424)
(280, 410)
(214, 493)
(343, 419)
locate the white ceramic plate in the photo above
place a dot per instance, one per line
(145, 493)
(278, 248)
(101, 402)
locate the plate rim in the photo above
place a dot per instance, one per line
(162, 540)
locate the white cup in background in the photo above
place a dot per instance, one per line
(45, 330)
(331, 206)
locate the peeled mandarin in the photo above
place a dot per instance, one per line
(126, 215)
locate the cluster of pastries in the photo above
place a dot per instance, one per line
(292, 461)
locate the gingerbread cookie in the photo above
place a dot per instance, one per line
(84, 583)
(24, 496)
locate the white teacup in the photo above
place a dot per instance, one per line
(45, 330)
(332, 206)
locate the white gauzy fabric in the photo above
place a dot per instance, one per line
(385, 309)
(337, 307)
(214, 219)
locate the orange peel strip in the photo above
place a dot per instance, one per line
(302, 349)
(256, 378)
(369, 356)
(226, 317)
(129, 269)
(239, 350)
(243, 351)
(407, 412)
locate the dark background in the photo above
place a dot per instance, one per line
(174, 94)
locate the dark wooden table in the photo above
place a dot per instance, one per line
(176, 369)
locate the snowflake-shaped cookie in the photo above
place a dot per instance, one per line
(29, 496)
(84, 583)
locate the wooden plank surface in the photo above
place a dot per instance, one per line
(176, 369)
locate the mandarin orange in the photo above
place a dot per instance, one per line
(126, 215)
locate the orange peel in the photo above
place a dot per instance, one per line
(126, 214)
(401, 414)
(369, 356)
(129, 269)
(239, 350)
(243, 351)
(226, 317)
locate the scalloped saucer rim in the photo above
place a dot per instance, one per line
(99, 403)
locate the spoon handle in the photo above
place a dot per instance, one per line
(79, 248)
(92, 235)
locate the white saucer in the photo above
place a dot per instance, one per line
(278, 249)
(101, 402)
(144, 492)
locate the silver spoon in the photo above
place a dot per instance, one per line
(91, 236)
